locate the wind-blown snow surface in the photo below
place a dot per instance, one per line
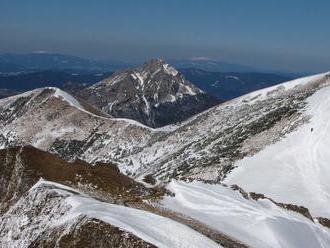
(295, 169)
(152, 228)
(256, 223)
(66, 205)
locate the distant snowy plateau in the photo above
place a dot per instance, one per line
(250, 172)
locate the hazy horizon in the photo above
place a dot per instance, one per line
(276, 35)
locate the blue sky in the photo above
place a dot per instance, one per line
(288, 35)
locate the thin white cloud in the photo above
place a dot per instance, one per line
(201, 58)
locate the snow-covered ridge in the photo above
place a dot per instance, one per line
(262, 94)
(155, 229)
(68, 98)
(75, 103)
(10, 99)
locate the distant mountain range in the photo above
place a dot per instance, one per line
(228, 85)
(10, 63)
(21, 72)
(212, 65)
(221, 85)
(30, 80)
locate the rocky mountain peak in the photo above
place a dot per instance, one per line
(154, 62)
(158, 66)
(149, 94)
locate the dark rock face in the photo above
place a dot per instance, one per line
(22, 167)
(324, 221)
(154, 94)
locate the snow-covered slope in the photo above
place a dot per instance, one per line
(159, 231)
(56, 207)
(155, 94)
(295, 169)
(259, 224)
